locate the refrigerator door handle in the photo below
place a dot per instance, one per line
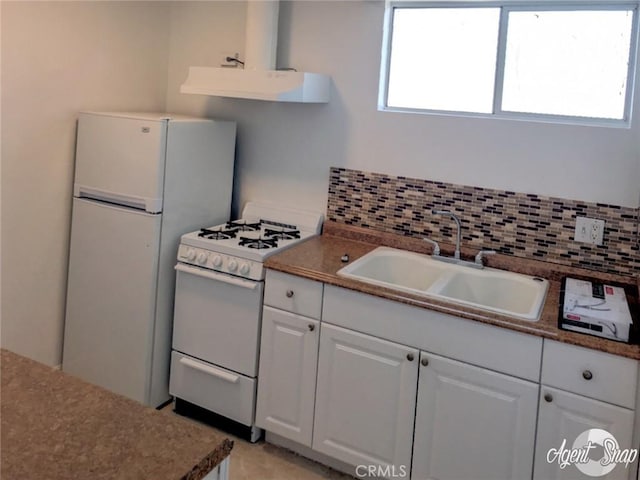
(151, 205)
(219, 277)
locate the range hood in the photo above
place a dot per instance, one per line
(274, 85)
(259, 80)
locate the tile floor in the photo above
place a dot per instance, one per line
(263, 461)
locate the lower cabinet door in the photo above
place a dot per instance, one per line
(287, 378)
(562, 418)
(365, 401)
(472, 423)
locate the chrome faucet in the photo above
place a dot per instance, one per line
(447, 213)
(477, 263)
(481, 254)
(436, 248)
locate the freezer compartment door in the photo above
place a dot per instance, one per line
(121, 160)
(111, 297)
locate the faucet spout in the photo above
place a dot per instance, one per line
(447, 213)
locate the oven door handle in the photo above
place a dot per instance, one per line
(209, 370)
(220, 277)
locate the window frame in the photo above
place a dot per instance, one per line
(507, 6)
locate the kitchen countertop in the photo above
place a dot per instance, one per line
(55, 426)
(319, 259)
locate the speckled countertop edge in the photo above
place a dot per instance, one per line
(319, 259)
(56, 426)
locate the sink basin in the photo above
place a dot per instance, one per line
(398, 269)
(489, 289)
(495, 290)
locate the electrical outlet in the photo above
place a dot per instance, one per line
(589, 230)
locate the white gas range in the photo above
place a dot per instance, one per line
(218, 311)
(240, 247)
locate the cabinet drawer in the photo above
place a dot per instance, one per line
(293, 294)
(222, 391)
(590, 373)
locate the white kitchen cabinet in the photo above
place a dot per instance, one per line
(287, 381)
(564, 415)
(293, 294)
(598, 375)
(365, 399)
(478, 404)
(488, 346)
(472, 423)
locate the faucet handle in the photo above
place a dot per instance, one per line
(436, 247)
(482, 253)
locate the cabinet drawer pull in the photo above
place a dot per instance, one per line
(587, 375)
(410, 357)
(289, 293)
(312, 327)
(424, 361)
(548, 397)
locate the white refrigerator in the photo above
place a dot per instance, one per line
(141, 181)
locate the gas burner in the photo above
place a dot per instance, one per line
(258, 243)
(218, 234)
(243, 226)
(281, 234)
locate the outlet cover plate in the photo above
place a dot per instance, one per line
(589, 230)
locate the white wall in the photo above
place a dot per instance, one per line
(59, 58)
(285, 151)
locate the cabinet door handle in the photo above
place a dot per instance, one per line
(312, 327)
(289, 293)
(548, 397)
(587, 375)
(410, 357)
(424, 361)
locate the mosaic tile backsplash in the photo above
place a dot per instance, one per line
(519, 224)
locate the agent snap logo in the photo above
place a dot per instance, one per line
(595, 452)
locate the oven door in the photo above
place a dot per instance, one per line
(217, 318)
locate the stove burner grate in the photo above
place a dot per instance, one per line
(218, 234)
(243, 226)
(282, 234)
(258, 243)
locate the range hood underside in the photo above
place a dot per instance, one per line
(272, 85)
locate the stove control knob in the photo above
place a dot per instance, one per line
(217, 261)
(233, 266)
(244, 269)
(202, 258)
(190, 254)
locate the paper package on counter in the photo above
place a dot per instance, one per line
(595, 308)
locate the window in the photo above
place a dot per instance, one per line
(567, 63)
